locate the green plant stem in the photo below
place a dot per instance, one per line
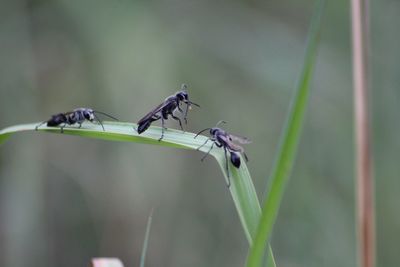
(288, 145)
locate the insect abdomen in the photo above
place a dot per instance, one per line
(143, 126)
(235, 159)
(56, 120)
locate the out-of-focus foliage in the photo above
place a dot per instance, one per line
(65, 200)
(106, 262)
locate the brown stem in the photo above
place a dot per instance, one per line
(364, 182)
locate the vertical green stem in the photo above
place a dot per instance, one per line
(287, 150)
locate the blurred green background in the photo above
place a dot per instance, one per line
(64, 200)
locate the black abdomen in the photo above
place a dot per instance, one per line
(235, 159)
(57, 120)
(143, 126)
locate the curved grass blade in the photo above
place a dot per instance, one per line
(288, 146)
(242, 187)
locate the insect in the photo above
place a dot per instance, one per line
(165, 109)
(221, 138)
(78, 115)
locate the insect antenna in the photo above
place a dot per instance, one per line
(184, 87)
(218, 123)
(188, 105)
(97, 118)
(202, 131)
(192, 103)
(105, 114)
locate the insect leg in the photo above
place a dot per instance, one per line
(62, 128)
(208, 152)
(36, 128)
(179, 120)
(181, 111)
(245, 156)
(179, 108)
(80, 125)
(203, 144)
(97, 118)
(162, 128)
(186, 112)
(227, 167)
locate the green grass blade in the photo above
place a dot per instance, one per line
(242, 188)
(115, 131)
(146, 240)
(270, 259)
(244, 196)
(287, 150)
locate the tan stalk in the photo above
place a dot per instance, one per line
(364, 178)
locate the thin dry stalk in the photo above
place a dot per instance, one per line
(364, 181)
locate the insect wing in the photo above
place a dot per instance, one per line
(78, 110)
(239, 139)
(69, 113)
(230, 144)
(152, 113)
